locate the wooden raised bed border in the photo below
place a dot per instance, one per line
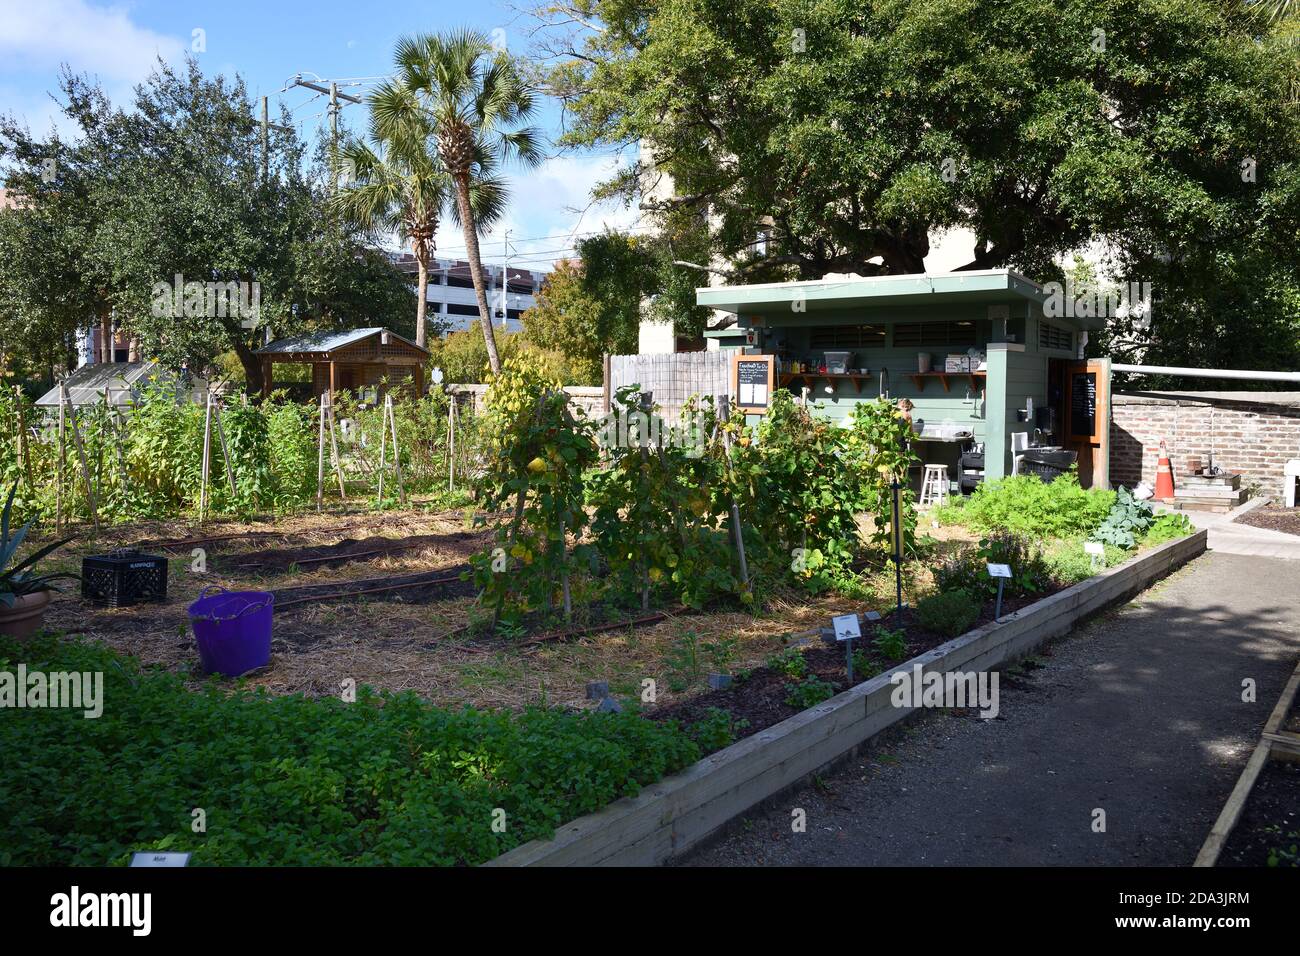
(1274, 744)
(678, 812)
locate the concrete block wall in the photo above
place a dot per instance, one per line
(1255, 433)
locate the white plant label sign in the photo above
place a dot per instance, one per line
(846, 627)
(999, 570)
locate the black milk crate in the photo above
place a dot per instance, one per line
(123, 577)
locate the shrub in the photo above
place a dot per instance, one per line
(949, 612)
(1025, 505)
(388, 780)
(967, 570)
(717, 729)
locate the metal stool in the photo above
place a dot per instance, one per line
(934, 487)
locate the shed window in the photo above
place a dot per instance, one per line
(1055, 337)
(937, 334)
(847, 337)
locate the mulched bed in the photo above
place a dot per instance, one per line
(281, 560)
(436, 585)
(760, 697)
(1269, 821)
(1274, 518)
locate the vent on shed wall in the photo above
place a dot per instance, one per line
(847, 337)
(936, 334)
(1055, 337)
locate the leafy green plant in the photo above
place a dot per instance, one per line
(949, 612)
(864, 666)
(537, 452)
(1024, 505)
(1168, 526)
(892, 645)
(809, 692)
(716, 730)
(687, 657)
(789, 662)
(1128, 520)
(386, 780)
(18, 578)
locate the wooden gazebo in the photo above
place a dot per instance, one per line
(351, 360)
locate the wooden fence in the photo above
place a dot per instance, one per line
(672, 378)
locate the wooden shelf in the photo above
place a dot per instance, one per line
(812, 378)
(920, 378)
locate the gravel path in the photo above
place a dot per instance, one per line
(1137, 713)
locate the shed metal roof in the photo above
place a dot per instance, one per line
(87, 385)
(326, 341)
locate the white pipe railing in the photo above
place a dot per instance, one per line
(1208, 372)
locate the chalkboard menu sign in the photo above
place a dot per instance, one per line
(1083, 404)
(752, 382)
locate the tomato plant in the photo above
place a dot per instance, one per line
(536, 451)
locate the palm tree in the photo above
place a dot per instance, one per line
(476, 101)
(400, 189)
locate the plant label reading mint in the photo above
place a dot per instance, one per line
(160, 859)
(846, 627)
(999, 570)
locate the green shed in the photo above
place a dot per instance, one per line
(977, 353)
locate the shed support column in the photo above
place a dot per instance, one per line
(266, 378)
(333, 377)
(997, 423)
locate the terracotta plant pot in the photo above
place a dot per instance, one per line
(24, 619)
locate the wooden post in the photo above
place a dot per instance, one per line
(225, 449)
(205, 467)
(724, 413)
(24, 450)
(383, 448)
(320, 456)
(85, 467)
(564, 572)
(267, 376)
(62, 465)
(451, 442)
(605, 383)
(334, 441)
(391, 415)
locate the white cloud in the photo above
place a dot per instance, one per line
(100, 40)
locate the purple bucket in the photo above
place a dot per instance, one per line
(233, 630)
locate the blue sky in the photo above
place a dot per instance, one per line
(269, 42)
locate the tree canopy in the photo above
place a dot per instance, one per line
(1166, 130)
(179, 185)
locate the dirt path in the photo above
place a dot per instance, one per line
(1138, 713)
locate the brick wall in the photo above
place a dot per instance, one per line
(1255, 433)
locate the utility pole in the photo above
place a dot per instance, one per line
(266, 139)
(505, 277)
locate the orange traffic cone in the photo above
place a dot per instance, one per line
(1164, 477)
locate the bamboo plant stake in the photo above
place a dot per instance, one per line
(24, 450)
(225, 448)
(390, 416)
(334, 450)
(451, 444)
(61, 464)
(383, 461)
(647, 409)
(320, 458)
(81, 455)
(206, 464)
